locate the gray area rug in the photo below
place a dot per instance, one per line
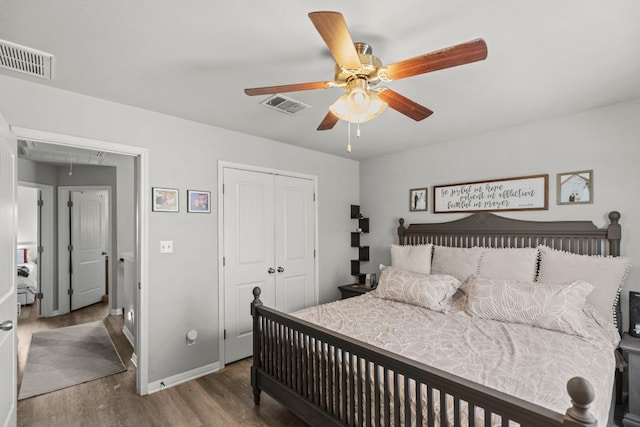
(63, 357)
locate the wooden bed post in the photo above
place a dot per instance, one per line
(614, 233)
(401, 230)
(256, 344)
(582, 394)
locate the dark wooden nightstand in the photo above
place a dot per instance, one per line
(630, 347)
(353, 290)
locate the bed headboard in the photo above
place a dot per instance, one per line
(489, 230)
(493, 231)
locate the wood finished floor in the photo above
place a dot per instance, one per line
(220, 399)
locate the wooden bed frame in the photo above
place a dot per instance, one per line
(327, 378)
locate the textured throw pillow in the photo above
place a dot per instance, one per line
(432, 291)
(457, 262)
(606, 274)
(519, 264)
(416, 258)
(547, 306)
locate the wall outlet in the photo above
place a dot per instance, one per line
(166, 246)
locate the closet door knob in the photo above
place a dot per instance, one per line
(280, 269)
(271, 271)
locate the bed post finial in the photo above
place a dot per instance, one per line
(257, 345)
(614, 216)
(256, 294)
(581, 392)
(401, 230)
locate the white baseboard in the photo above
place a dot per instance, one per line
(52, 314)
(129, 336)
(116, 311)
(183, 377)
(134, 360)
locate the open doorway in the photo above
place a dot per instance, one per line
(69, 159)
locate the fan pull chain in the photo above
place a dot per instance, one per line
(348, 137)
(358, 131)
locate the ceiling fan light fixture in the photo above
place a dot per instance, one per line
(358, 104)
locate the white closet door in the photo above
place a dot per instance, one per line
(248, 253)
(294, 243)
(269, 241)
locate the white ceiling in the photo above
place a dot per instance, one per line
(192, 59)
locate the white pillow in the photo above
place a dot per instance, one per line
(606, 274)
(554, 307)
(21, 256)
(416, 258)
(432, 291)
(457, 262)
(518, 264)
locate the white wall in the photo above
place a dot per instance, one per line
(27, 215)
(183, 288)
(604, 139)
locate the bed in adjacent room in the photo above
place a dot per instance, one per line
(27, 275)
(480, 321)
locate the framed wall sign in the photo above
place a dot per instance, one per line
(508, 194)
(198, 201)
(575, 187)
(418, 199)
(165, 200)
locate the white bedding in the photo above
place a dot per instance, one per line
(531, 363)
(28, 285)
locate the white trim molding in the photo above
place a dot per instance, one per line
(183, 377)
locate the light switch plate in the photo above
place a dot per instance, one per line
(166, 246)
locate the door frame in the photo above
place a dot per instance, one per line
(63, 242)
(142, 208)
(222, 165)
(46, 226)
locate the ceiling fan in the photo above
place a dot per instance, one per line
(358, 71)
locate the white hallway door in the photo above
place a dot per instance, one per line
(269, 241)
(8, 297)
(87, 248)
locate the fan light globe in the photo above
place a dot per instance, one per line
(358, 104)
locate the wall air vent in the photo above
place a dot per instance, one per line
(284, 104)
(26, 60)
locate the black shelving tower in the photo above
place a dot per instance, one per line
(363, 251)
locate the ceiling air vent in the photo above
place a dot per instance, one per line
(284, 104)
(26, 60)
(58, 154)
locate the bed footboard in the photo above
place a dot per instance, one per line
(329, 379)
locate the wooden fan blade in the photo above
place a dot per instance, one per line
(328, 122)
(472, 51)
(404, 105)
(268, 90)
(335, 33)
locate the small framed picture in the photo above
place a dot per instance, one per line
(575, 187)
(165, 200)
(418, 199)
(198, 201)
